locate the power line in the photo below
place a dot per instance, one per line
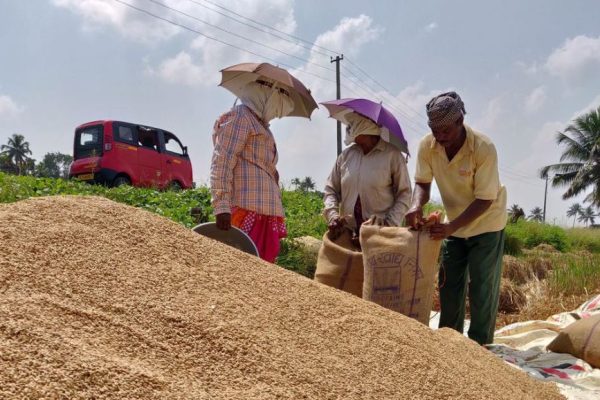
(219, 40)
(298, 42)
(514, 178)
(407, 121)
(381, 86)
(238, 35)
(270, 27)
(314, 45)
(518, 173)
(412, 124)
(416, 125)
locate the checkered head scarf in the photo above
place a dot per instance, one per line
(444, 110)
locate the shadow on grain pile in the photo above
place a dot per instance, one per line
(102, 300)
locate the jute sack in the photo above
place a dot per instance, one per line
(581, 339)
(400, 269)
(340, 264)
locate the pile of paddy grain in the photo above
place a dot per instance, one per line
(101, 300)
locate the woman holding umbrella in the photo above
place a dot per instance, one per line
(369, 178)
(244, 179)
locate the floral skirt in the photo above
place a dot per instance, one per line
(264, 230)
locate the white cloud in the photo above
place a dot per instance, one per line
(8, 107)
(132, 24)
(490, 119)
(536, 99)
(431, 27)
(350, 34)
(413, 118)
(576, 60)
(180, 69)
(529, 69)
(207, 56)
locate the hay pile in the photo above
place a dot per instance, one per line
(517, 271)
(101, 300)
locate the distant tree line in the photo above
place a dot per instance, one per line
(15, 158)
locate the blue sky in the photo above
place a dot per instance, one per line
(524, 70)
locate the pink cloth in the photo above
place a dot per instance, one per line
(264, 230)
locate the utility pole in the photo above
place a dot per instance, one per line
(545, 196)
(337, 60)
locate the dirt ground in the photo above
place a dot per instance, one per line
(101, 300)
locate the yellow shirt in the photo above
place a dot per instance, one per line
(472, 174)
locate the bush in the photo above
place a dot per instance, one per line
(531, 234)
(298, 258)
(513, 246)
(304, 214)
(170, 204)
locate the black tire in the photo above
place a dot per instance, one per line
(175, 186)
(120, 181)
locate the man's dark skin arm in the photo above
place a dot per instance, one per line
(414, 216)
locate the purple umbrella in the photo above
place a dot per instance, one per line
(376, 112)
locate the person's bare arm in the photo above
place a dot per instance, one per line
(414, 216)
(474, 211)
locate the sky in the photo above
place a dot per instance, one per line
(523, 69)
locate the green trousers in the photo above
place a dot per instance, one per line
(476, 262)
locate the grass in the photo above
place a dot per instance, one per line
(584, 239)
(575, 275)
(558, 282)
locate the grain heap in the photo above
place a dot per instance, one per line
(101, 300)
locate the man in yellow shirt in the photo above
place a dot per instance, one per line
(464, 164)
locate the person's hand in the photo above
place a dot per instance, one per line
(379, 220)
(441, 231)
(336, 227)
(414, 217)
(224, 221)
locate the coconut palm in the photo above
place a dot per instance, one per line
(515, 212)
(579, 168)
(587, 216)
(537, 214)
(17, 150)
(574, 211)
(305, 185)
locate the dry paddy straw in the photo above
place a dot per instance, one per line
(101, 300)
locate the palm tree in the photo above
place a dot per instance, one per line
(574, 211)
(308, 184)
(579, 168)
(17, 151)
(304, 185)
(587, 216)
(515, 213)
(537, 214)
(296, 182)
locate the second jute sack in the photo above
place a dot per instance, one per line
(340, 264)
(400, 266)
